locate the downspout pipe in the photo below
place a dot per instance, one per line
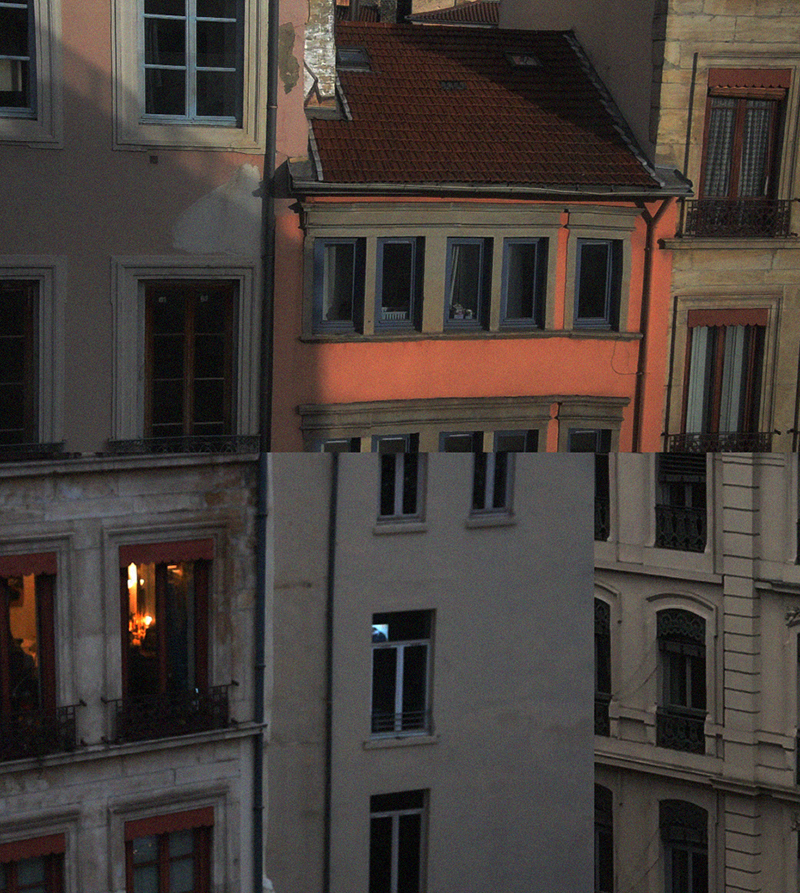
(265, 439)
(329, 596)
(651, 221)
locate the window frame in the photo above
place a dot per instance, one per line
(492, 483)
(613, 285)
(479, 321)
(677, 836)
(674, 527)
(50, 848)
(356, 321)
(395, 465)
(40, 123)
(414, 321)
(539, 299)
(30, 294)
(395, 807)
(134, 128)
(399, 645)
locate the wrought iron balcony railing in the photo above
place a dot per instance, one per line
(193, 443)
(681, 728)
(170, 714)
(602, 518)
(37, 732)
(680, 528)
(400, 723)
(723, 442)
(30, 452)
(737, 218)
(602, 723)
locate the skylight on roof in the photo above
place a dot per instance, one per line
(523, 60)
(353, 59)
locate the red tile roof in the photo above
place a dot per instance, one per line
(445, 105)
(476, 12)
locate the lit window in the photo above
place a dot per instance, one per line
(170, 853)
(682, 646)
(396, 836)
(189, 359)
(192, 60)
(17, 74)
(468, 278)
(401, 644)
(338, 284)
(399, 282)
(400, 475)
(684, 837)
(598, 283)
(524, 282)
(35, 865)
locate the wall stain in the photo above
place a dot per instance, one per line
(288, 66)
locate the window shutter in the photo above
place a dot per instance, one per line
(33, 563)
(33, 848)
(757, 316)
(165, 824)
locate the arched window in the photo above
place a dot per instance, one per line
(682, 647)
(684, 836)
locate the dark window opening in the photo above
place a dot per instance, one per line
(468, 281)
(684, 837)
(339, 284)
(682, 647)
(602, 667)
(681, 502)
(18, 363)
(395, 842)
(399, 282)
(17, 60)
(603, 840)
(598, 283)
(524, 282)
(400, 475)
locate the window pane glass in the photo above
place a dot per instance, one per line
(755, 145)
(165, 7)
(145, 849)
(521, 280)
(23, 649)
(415, 668)
(164, 42)
(388, 483)
(209, 403)
(479, 482)
(408, 880)
(410, 478)
(165, 92)
(145, 879)
(338, 282)
(384, 668)
(594, 280)
(216, 44)
(719, 147)
(380, 855)
(31, 874)
(465, 281)
(216, 94)
(500, 488)
(218, 9)
(397, 280)
(13, 32)
(180, 627)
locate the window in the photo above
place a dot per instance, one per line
(598, 283)
(400, 475)
(338, 284)
(170, 853)
(681, 502)
(602, 667)
(723, 388)
(603, 840)
(33, 866)
(524, 281)
(597, 441)
(30, 723)
(401, 644)
(189, 359)
(164, 591)
(339, 445)
(400, 269)
(192, 59)
(396, 835)
(516, 441)
(468, 282)
(461, 442)
(684, 837)
(17, 362)
(17, 80)
(682, 647)
(739, 178)
(491, 483)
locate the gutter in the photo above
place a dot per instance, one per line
(265, 440)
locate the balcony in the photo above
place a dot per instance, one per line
(681, 528)
(681, 728)
(401, 723)
(169, 714)
(602, 723)
(722, 218)
(37, 732)
(723, 442)
(192, 443)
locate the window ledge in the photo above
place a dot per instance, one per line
(481, 335)
(731, 243)
(399, 526)
(490, 519)
(400, 741)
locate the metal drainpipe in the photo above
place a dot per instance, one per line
(647, 288)
(331, 585)
(265, 437)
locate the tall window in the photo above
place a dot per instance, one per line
(164, 592)
(468, 279)
(603, 840)
(35, 865)
(17, 61)
(684, 838)
(682, 647)
(598, 280)
(401, 647)
(17, 360)
(400, 475)
(396, 836)
(29, 721)
(338, 284)
(597, 441)
(491, 480)
(399, 282)
(681, 502)
(169, 853)
(189, 359)
(725, 366)
(602, 666)
(524, 281)
(192, 60)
